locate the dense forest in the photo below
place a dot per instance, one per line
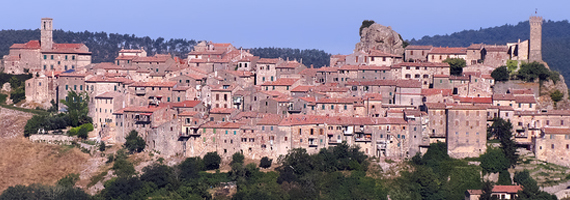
(555, 41)
(105, 47)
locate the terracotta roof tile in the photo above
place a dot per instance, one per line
(281, 82)
(268, 61)
(448, 50)
(32, 44)
(418, 47)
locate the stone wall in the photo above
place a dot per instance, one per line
(51, 139)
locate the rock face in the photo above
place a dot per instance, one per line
(381, 38)
(548, 87)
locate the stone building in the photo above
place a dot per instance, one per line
(40, 56)
(553, 145)
(415, 53)
(466, 131)
(535, 44)
(439, 54)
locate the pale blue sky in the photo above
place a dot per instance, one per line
(328, 25)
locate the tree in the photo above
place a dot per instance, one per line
(494, 161)
(501, 129)
(68, 181)
(512, 65)
(134, 143)
(82, 133)
(265, 162)
(556, 96)
(500, 74)
(487, 190)
(365, 24)
(529, 72)
(530, 188)
(212, 161)
(77, 107)
(123, 168)
(102, 146)
(504, 178)
(190, 168)
(237, 158)
(456, 65)
(158, 174)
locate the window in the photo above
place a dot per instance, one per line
(45, 57)
(52, 57)
(72, 57)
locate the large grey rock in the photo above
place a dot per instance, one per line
(381, 38)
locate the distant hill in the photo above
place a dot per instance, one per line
(105, 47)
(555, 41)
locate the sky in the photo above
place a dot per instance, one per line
(330, 25)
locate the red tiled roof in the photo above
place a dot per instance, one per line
(32, 44)
(448, 50)
(373, 96)
(496, 48)
(222, 110)
(475, 47)
(556, 130)
(418, 47)
(499, 97)
(465, 107)
(142, 109)
(156, 58)
(436, 105)
(270, 119)
(281, 82)
(188, 113)
(484, 100)
(268, 60)
(109, 95)
(378, 53)
(109, 79)
(409, 83)
(185, 104)
(301, 88)
(209, 52)
(420, 64)
(154, 84)
(220, 87)
(525, 99)
(67, 48)
(288, 64)
(350, 100)
(249, 59)
(432, 91)
(440, 76)
(511, 189)
(521, 91)
(327, 69)
(131, 51)
(123, 57)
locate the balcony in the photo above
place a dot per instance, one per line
(140, 91)
(312, 142)
(237, 100)
(363, 138)
(191, 133)
(144, 118)
(294, 110)
(348, 130)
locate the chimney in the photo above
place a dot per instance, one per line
(312, 66)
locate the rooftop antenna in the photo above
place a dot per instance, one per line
(536, 11)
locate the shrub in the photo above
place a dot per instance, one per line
(134, 142)
(265, 162)
(68, 181)
(212, 161)
(455, 65)
(237, 158)
(556, 96)
(102, 146)
(82, 133)
(18, 95)
(500, 74)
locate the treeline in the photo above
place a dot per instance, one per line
(315, 57)
(105, 46)
(555, 40)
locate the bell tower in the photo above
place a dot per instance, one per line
(535, 43)
(47, 35)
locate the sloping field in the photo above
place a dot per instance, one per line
(24, 162)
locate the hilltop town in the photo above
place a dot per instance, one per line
(223, 99)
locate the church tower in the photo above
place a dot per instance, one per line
(47, 36)
(535, 46)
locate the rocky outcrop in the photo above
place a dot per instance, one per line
(381, 38)
(548, 87)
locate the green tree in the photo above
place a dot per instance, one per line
(504, 178)
(123, 168)
(190, 168)
(134, 143)
(530, 188)
(556, 96)
(158, 174)
(237, 158)
(14, 82)
(212, 161)
(68, 181)
(529, 72)
(512, 65)
(365, 24)
(487, 191)
(18, 95)
(265, 162)
(502, 130)
(77, 107)
(500, 74)
(102, 146)
(456, 65)
(494, 161)
(82, 133)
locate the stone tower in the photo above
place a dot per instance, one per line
(47, 35)
(535, 46)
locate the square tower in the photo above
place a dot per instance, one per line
(535, 46)
(47, 35)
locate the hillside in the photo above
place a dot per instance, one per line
(555, 40)
(105, 46)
